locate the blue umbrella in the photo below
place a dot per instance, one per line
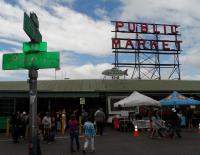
(177, 99)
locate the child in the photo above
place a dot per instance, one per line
(74, 133)
(89, 132)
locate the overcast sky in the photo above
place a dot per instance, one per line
(81, 31)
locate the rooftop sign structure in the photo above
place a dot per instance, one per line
(148, 47)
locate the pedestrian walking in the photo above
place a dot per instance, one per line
(58, 121)
(53, 128)
(84, 116)
(99, 118)
(156, 125)
(74, 133)
(46, 121)
(63, 121)
(175, 124)
(24, 122)
(89, 133)
(15, 122)
(189, 115)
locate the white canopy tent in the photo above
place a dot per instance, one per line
(137, 99)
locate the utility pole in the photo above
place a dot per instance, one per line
(33, 141)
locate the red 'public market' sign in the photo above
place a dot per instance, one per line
(159, 37)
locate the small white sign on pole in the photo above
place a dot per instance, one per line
(82, 100)
(124, 113)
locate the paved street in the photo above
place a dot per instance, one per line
(116, 143)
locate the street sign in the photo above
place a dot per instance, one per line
(34, 18)
(42, 60)
(31, 61)
(29, 47)
(13, 61)
(82, 100)
(31, 27)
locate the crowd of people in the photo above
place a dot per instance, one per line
(18, 123)
(160, 124)
(90, 125)
(171, 123)
(166, 128)
(52, 123)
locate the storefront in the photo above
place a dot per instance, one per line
(56, 95)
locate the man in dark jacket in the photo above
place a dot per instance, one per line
(99, 118)
(15, 122)
(175, 123)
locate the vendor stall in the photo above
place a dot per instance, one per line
(176, 99)
(185, 104)
(138, 99)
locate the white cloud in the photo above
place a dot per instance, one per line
(67, 69)
(182, 12)
(10, 42)
(87, 71)
(191, 58)
(191, 77)
(78, 33)
(47, 2)
(63, 28)
(165, 11)
(102, 13)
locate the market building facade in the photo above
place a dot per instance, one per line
(59, 94)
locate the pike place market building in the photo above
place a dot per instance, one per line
(66, 94)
